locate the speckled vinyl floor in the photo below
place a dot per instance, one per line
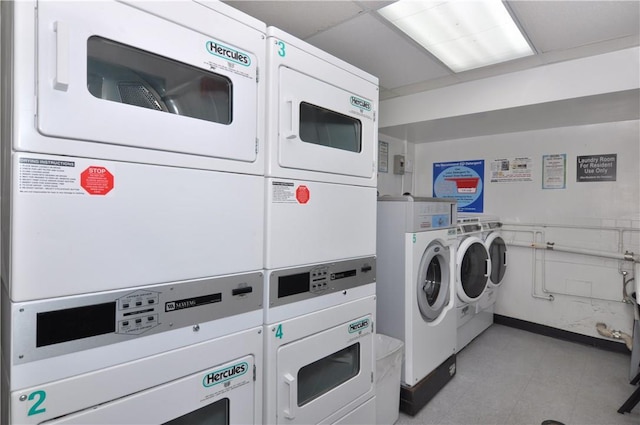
(510, 376)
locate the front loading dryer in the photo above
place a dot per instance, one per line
(415, 288)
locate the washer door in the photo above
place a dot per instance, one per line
(473, 268)
(498, 254)
(433, 281)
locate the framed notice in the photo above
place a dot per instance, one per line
(383, 157)
(597, 168)
(462, 181)
(554, 171)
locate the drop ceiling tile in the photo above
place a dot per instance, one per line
(369, 44)
(299, 18)
(561, 25)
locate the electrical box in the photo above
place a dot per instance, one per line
(398, 164)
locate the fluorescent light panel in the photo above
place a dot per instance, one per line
(462, 34)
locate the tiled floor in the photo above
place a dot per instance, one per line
(510, 376)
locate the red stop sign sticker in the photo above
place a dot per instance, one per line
(96, 180)
(302, 194)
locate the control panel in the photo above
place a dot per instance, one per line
(48, 328)
(300, 283)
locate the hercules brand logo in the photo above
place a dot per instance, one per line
(360, 103)
(228, 53)
(226, 374)
(358, 326)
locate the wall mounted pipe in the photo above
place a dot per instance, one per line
(627, 256)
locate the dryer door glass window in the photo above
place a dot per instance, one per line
(324, 127)
(473, 271)
(498, 254)
(433, 282)
(120, 73)
(327, 373)
(213, 414)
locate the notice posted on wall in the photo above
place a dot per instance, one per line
(383, 157)
(462, 181)
(597, 168)
(506, 170)
(554, 171)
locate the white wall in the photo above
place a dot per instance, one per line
(586, 289)
(396, 184)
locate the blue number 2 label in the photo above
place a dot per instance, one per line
(281, 51)
(39, 397)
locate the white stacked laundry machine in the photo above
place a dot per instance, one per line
(415, 287)
(132, 213)
(320, 239)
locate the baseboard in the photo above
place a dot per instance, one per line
(537, 328)
(412, 399)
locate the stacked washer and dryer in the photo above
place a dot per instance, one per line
(416, 268)
(132, 213)
(481, 266)
(320, 241)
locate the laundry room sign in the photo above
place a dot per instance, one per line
(595, 168)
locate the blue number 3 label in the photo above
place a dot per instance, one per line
(39, 397)
(281, 51)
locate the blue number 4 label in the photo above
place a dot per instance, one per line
(279, 332)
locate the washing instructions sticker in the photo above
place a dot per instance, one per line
(229, 59)
(46, 176)
(289, 193)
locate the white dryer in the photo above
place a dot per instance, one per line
(321, 156)
(320, 367)
(415, 288)
(132, 144)
(114, 357)
(473, 268)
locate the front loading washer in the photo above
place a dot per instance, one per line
(415, 288)
(473, 268)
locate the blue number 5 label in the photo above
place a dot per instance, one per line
(38, 398)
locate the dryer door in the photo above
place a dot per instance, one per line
(472, 269)
(498, 253)
(115, 74)
(433, 282)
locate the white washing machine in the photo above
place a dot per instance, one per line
(415, 288)
(113, 357)
(319, 367)
(132, 145)
(321, 156)
(473, 268)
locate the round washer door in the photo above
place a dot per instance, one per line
(472, 269)
(433, 281)
(498, 254)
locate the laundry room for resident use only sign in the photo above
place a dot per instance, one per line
(595, 168)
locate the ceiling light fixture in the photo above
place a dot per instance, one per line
(463, 34)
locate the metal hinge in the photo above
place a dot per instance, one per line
(254, 372)
(374, 116)
(257, 75)
(372, 377)
(257, 144)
